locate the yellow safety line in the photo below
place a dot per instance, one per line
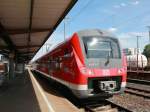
(41, 91)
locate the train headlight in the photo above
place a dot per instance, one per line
(90, 72)
(83, 70)
(119, 71)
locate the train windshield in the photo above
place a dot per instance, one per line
(96, 47)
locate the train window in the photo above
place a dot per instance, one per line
(66, 51)
(115, 50)
(97, 47)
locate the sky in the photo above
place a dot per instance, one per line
(124, 18)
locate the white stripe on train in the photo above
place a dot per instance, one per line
(71, 85)
(66, 83)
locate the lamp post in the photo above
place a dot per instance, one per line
(66, 18)
(149, 32)
(137, 50)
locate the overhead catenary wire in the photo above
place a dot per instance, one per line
(130, 19)
(120, 24)
(82, 10)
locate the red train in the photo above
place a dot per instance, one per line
(90, 64)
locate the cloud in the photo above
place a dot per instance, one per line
(123, 4)
(112, 29)
(132, 35)
(128, 40)
(143, 34)
(126, 4)
(120, 5)
(135, 3)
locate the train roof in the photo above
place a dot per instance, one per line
(95, 32)
(89, 32)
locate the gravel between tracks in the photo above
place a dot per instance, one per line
(132, 102)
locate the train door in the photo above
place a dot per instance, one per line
(67, 65)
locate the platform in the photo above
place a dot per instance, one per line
(26, 93)
(52, 98)
(18, 95)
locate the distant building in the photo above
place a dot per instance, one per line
(131, 51)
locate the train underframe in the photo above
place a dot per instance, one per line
(102, 87)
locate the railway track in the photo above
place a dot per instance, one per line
(106, 106)
(137, 81)
(138, 92)
(139, 89)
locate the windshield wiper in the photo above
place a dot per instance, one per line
(108, 60)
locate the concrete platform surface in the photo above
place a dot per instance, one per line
(56, 101)
(18, 95)
(22, 94)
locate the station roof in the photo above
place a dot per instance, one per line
(25, 25)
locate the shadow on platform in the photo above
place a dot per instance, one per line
(19, 95)
(47, 84)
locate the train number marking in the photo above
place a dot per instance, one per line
(106, 72)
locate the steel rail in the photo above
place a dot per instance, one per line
(105, 106)
(139, 89)
(145, 82)
(137, 94)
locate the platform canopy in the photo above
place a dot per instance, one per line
(25, 25)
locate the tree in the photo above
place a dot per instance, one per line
(146, 51)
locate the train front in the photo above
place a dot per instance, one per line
(102, 67)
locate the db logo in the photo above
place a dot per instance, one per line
(106, 72)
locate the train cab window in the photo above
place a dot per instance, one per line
(115, 50)
(96, 47)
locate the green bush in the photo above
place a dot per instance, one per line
(146, 51)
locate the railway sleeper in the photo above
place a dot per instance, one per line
(105, 108)
(141, 94)
(110, 110)
(138, 89)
